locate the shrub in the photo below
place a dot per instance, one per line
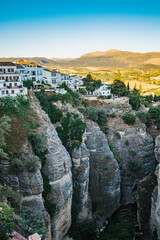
(129, 118)
(81, 109)
(16, 166)
(85, 104)
(133, 165)
(102, 117)
(154, 112)
(105, 129)
(38, 144)
(32, 164)
(112, 115)
(28, 83)
(117, 135)
(7, 223)
(134, 101)
(92, 114)
(12, 197)
(82, 91)
(144, 118)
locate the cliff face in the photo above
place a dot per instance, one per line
(58, 169)
(155, 209)
(104, 185)
(131, 144)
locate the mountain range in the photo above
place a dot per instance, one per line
(110, 58)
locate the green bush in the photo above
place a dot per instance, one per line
(134, 101)
(144, 118)
(81, 109)
(129, 118)
(82, 91)
(7, 223)
(133, 165)
(112, 115)
(32, 164)
(154, 112)
(28, 83)
(102, 117)
(92, 114)
(105, 129)
(38, 144)
(16, 166)
(12, 197)
(119, 88)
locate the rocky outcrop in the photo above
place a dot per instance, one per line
(80, 170)
(104, 185)
(144, 192)
(58, 169)
(131, 144)
(155, 209)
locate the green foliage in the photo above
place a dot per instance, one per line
(7, 223)
(144, 118)
(129, 118)
(74, 95)
(133, 165)
(154, 112)
(123, 230)
(32, 221)
(16, 166)
(38, 144)
(85, 103)
(91, 84)
(134, 101)
(4, 129)
(117, 135)
(71, 131)
(87, 231)
(112, 115)
(92, 114)
(32, 164)
(102, 117)
(28, 83)
(10, 196)
(82, 91)
(119, 88)
(53, 112)
(105, 129)
(81, 109)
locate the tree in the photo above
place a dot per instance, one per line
(4, 129)
(32, 221)
(6, 221)
(28, 83)
(92, 114)
(82, 91)
(128, 86)
(119, 88)
(134, 101)
(102, 117)
(129, 118)
(140, 88)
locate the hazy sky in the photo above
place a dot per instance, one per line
(71, 28)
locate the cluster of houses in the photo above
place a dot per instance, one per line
(12, 76)
(18, 236)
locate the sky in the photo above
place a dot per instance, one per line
(69, 29)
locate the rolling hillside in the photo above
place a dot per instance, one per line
(111, 58)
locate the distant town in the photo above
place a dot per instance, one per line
(13, 75)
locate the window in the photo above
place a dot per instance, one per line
(21, 91)
(3, 92)
(2, 78)
(4, 84)
(10, 77)
(8, 69)
(12, 70)
(12, 91)
(17, 77)
(1, 69)
(7, 92)
(15, 84)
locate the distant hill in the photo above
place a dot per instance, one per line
(111, 58)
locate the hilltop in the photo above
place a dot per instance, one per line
(110, 58)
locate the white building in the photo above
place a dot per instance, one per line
(35, 72)
(102, 91)
(10, 80)
(52, 77)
